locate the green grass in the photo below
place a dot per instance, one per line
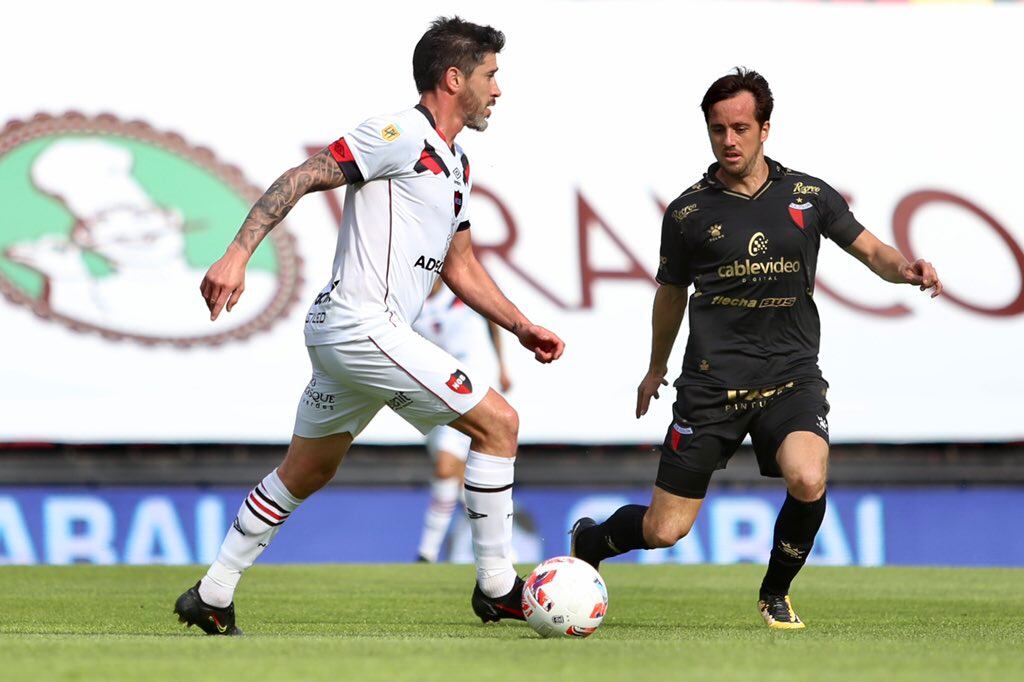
(413, 622)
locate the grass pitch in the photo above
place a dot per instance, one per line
(413, 622)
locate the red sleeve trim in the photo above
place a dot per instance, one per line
(346, 161)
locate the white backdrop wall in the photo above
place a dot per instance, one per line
(911, 111)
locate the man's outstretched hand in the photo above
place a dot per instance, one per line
(546, 345)
(922, 274)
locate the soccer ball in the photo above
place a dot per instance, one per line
(564, 597)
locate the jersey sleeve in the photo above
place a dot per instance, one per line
(375, 149)
(675, 266)
(838, 223)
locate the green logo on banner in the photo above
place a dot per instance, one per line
(108, 226)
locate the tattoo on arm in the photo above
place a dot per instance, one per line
(318, 172)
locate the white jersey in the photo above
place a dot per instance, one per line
(407, 195)
(451, 324)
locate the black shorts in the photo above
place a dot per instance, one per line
(709, 424)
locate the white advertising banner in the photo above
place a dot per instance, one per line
(137, 139)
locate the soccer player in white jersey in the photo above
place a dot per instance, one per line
(406, 222)
(455, 327)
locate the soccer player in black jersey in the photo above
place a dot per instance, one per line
(746, 237)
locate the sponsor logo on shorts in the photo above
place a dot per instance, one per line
(460, 383)
(399, 401)
(318, 399)
(740, 399)
(823, 424)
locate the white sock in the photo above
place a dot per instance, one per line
(489, 508)
(267, 506)
(444, 494)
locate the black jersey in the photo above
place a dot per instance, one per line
(751, 261)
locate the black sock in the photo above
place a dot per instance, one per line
(795, 529)
(622, 532)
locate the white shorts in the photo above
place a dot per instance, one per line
(447, 439)
(396, 367)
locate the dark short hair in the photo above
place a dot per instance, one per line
(452, 42)
(743, 79)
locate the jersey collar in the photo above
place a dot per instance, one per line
(433, 124)
(775, 172)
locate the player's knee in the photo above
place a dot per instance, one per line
(505, 426)
(511, 421)
(807, 486)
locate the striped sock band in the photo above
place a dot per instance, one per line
(264, 509)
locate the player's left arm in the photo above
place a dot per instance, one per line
(890, 265)
(469, 281)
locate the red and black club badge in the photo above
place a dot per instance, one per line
(458, 202)
(460, 383)
(797, 210)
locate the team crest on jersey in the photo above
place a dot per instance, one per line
(458, 201)
(796, 212)
(390, 133)
(460, 383)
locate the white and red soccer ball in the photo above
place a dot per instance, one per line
(564, 597)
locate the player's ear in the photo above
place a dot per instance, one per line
(764, 130)
(453, 79)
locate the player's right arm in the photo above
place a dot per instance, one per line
(669, 306)
(503, 378)
(225, 280)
